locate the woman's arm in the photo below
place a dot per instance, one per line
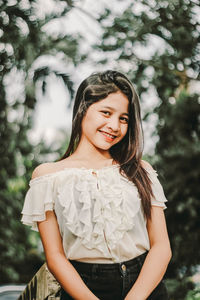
(57, 262)
(157, 259)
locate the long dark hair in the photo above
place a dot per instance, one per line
(128, 152)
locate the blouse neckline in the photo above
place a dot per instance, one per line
(89, 170)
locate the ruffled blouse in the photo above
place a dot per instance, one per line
(99, 212)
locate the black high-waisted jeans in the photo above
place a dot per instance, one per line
(113, 281)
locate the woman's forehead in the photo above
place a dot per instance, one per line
(115, 101)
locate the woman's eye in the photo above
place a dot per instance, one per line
(106, 113)
(124, 120)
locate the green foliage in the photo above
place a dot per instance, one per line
(23, 42)
(171, 71)
(179, 288)
(193, 295)
(179, 150)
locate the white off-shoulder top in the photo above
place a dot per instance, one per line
(99, 212)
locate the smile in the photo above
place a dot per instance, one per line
(110, 136)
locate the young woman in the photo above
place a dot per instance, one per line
(99, 210)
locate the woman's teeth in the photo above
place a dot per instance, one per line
(109, 135)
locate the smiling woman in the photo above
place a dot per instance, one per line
(99, 210)
(105, 122)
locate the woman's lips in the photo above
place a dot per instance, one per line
(108, 136)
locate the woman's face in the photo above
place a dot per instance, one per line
(106, 121)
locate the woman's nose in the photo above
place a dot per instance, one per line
(114, 124)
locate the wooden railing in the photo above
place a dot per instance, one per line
(43, 286)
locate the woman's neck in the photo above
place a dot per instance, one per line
(92, 155)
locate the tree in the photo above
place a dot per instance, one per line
(23, 41)
(157, 43)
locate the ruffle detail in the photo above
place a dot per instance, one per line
(159, 198)
(38, 200)
(97, 206)
(103, 211)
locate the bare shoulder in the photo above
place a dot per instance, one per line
(43, 169)
(53, 167)
(145, 165)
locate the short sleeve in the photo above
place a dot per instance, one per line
(38, 200)
(159, 198)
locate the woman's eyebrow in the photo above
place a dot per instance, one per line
(113, 109)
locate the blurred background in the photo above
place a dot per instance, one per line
(47, 47)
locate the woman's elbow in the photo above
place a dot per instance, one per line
(50, 264)
(167, 251)
(51, 261)
(164, 249)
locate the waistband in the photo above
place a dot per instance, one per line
(88, 267)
